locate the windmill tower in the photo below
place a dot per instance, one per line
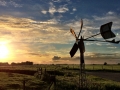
(106, 33)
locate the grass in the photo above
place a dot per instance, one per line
(15, 82)
(66, 81)
(53, 67)
(103, 67)
(102, 84)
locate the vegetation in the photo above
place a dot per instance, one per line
(55, 77)
(105, 63)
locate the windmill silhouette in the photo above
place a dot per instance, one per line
(106, 33)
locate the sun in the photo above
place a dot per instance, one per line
(3, 51)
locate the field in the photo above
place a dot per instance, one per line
(59, 77)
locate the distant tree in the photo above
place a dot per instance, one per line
(22, 63)
(13, 63)
(29, 63)
(118, 63)
(105, 63)
(4, 63)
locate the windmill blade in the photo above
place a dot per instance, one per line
(72, 31)
(80, 27)
(74, 49)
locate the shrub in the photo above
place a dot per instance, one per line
(105, 63)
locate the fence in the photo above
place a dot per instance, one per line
(103, 67)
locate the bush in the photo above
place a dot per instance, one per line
(105, 63)
(118, 63)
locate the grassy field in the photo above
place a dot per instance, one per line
(53, 67)
(66, 79)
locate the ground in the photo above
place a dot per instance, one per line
(108, 75)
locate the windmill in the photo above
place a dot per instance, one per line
(106, 33)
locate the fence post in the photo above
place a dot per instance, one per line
(24, 84)
(112, 68)
(102, 67)
(93, 66)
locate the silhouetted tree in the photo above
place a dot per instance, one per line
(118, 63)
(4, 63)
(105, 63)
(22, 63)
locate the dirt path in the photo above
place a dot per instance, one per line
(108, 75)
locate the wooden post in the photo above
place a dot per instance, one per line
(24, 84)
(112, 68)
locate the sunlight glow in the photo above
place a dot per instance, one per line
(3, 51)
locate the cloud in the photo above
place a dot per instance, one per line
(35, 54)
(92, 26)
(9, 3)
(14, 4)
(38, 35)
(110, 13)
(56, 0)
(61, 9)
(44, 12)
(93, 56)
(74, 9)
(34, 41)
(56, 58)
(52, 10)
(90, 55)
(3, 3)
(89, 43)
(26, 30)
(112, 47)
(109, 16)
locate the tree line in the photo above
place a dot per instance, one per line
(13, 63)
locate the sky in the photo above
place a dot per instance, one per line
(39, 30)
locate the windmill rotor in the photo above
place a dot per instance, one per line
(77, 43)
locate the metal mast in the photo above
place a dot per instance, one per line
(82, 75)
(80, 44)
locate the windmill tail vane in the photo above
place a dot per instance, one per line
(106, 33)
(113, 41)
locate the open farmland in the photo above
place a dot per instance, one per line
(100, 77)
